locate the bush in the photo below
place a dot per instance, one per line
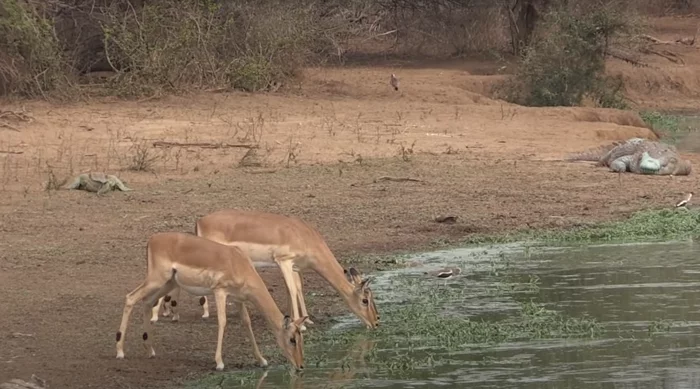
(162, 46)
(32, 62)
(169, 44)
(566, 62)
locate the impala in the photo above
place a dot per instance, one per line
(292, 245)
(200, 267)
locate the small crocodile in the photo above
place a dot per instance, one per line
(100, 183)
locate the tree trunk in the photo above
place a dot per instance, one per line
(523, 16)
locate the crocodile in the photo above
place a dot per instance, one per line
(100, 183)
(637, 155)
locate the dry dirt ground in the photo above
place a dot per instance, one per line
(68, 258)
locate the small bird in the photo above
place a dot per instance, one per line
(684, 203)
(446, 273)
(394, 81)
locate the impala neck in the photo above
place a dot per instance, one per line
(261, 298)
(332, 272)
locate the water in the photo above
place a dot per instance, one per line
(629, 289)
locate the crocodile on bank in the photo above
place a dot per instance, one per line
(637, 155)
(98, 182)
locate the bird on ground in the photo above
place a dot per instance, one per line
(394, 81)
(684, 203)
(446, 273)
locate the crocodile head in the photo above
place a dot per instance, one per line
(669, 165)
(676, 167)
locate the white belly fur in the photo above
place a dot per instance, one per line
(196, 290)
(195, 281)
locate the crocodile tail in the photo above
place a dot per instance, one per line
(121, 185)
(75, 184)
(594, 154)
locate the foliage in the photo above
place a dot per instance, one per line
(671, 127)
(32, 62)
(649, 225)
(566, 62)
(170, 44)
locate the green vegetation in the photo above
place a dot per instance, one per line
(427, 321)
(195, 43)
(670, 127)
(649, 225)
(32, 61)
(568, 65)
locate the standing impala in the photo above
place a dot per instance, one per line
(293, 245)
(200, 266)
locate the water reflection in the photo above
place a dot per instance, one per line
(353, 366)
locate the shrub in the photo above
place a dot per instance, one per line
(168, 44)
(566, 61)
(32, 62)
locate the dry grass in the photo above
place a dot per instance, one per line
(167, 46)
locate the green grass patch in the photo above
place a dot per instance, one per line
(427, 321)
(648, 225)
(671, 127)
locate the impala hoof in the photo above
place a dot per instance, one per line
(263, 363)
(120, 355)
(219, 366)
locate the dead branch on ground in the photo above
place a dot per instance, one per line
(626, 57)
(397, 179)
(18, 116)
(204, 145)
(673, 57)
(9, 127)
(655, 40)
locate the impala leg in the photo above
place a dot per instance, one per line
(288, 275)
(300, 296)
(174, 298)
(156, 310)
(245, 317)
(220, 297)
(167, 311)
(149, 301)
(136, 295)
(261, 380)
(205, 306)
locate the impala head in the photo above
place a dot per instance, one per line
(291, 341)
(362, 300)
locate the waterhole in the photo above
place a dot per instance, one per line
(600, 316)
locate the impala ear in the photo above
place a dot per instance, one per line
(365, 283)
(354, 276)
(300, 321)
(286, 322)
